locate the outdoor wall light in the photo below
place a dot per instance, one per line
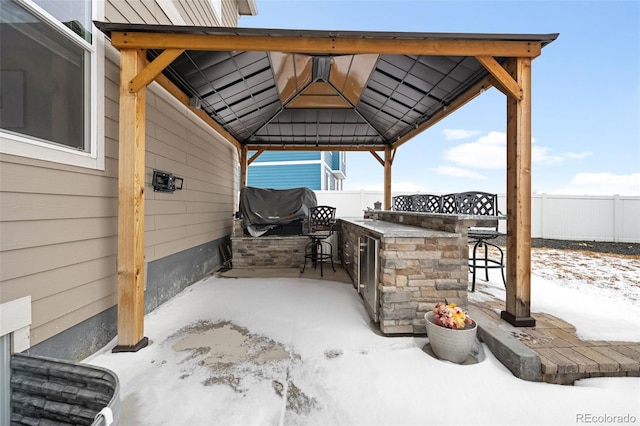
(165, 182)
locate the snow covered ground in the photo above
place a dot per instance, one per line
(290, 351)
(598, 293)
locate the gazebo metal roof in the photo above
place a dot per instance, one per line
(270, 98)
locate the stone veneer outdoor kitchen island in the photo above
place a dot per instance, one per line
(422, 260)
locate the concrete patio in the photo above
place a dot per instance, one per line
(550, 352)
(286, 349)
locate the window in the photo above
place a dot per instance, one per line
(48, 79)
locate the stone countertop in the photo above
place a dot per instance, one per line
(396, 230)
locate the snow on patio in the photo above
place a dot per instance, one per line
(289, 351)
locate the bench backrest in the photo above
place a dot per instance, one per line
(475, 203)
(402, 203)
(426, 203)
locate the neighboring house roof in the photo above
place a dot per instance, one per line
(274, 88)
(247, 7)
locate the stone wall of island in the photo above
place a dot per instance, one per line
(267, 251)
(417, 269)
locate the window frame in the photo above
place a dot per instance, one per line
(5, 379)
(27, 146)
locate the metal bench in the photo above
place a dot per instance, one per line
(402, 203)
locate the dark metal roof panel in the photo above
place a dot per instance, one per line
(238, 89)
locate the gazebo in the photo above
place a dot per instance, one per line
(275, 89)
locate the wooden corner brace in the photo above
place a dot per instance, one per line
(153, 69)
(503, 80)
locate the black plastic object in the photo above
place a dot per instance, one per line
(165, 182)
(264, 209)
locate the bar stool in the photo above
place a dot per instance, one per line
(320, 229)
(482, 204)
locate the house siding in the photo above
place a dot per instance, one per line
(272, 169)
(230, 14)
(328, 157)
(193, 12)
(336, 164)
(135, 12)
(272, 156)
(59, 222)
(198, 12)
(285, 176)
(332, 179)
(59, 240)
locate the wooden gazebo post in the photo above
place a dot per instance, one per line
(131, 176)
(515, 82)
(388, 162)
(518, 297)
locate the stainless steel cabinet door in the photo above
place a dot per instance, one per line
(368, 274)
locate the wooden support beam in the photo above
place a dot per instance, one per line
(184, 99)
(377, 157)
(388, 161)
(502, 77)
(244, 165)
(131, 176)
(256, 155)
(214, 125)
(327, 45)
(174, 90)
(518, 295)
(153, 69)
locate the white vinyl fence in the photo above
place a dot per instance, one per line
(562, 217)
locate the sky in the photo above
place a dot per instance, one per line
(585, 100)
(226, 351)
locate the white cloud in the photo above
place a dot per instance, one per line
(490, 152)
(456, 134)
(602, 184)
(458, 172)
(578, 155)
(542, 155)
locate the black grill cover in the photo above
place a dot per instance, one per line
(264, 209)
